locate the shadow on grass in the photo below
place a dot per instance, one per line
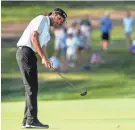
(13, 89)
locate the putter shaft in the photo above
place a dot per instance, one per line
(64, 78)
(82, 93)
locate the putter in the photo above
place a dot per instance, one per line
(83, 93)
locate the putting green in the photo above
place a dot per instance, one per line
(98, 114)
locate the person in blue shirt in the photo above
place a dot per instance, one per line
(105, 28)
(128, 23)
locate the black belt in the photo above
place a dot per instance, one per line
(21, 47)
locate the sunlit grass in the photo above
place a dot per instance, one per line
(27, 13)
(73, 76)
(100, 114)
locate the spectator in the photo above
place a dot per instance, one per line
(105, 27)
(81, 40)
(96, 58)
(132, 48)
(74, 28)
(60, 46)
(86, 29)
(128, 22)
(71, 49)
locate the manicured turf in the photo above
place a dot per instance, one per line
(100, 114)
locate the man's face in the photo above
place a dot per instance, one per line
(57, 20)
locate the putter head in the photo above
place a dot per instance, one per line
(83, 93)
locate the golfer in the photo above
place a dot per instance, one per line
(34, 41)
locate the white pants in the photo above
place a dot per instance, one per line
(71, 55)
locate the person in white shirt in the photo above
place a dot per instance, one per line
(60, 46)
(86, 29)
(60, 36)
(81, 42)
(34, 40)
(74, 28)
(128, 23)
(72, 45)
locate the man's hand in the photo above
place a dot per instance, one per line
(48, 64)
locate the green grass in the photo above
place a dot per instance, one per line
(110, 102)
(29, 12)
(25, 11)
(107, 114)
(113, 79)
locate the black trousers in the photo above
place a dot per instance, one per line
(27, 63)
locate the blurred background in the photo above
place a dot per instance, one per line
(111, 79)
(114, 78)
(110, 76)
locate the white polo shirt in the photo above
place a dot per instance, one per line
(128, 24)
(41, 24)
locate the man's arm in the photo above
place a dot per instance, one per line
(42, 53)
(36, 44)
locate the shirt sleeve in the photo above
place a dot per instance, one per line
(39, 24)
